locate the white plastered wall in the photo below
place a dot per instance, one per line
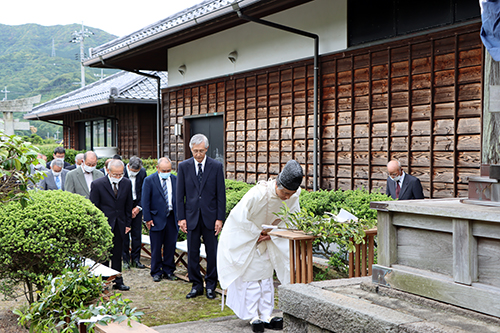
(261, 46)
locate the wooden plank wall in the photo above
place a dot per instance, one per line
(128, 127)
(417, 100)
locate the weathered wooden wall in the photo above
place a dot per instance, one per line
(417, 100)
(136, 127)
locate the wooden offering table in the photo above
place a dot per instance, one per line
(301, 261)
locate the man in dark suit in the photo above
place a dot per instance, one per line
(113, 196)
(136, 173)
(55, 178)
(201, 207)
(78, 162)
(401, 185)
(158, 205)
(59, 153)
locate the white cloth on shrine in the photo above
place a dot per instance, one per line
(239, 254)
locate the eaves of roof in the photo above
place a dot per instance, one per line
(146, 48)
(122, 87)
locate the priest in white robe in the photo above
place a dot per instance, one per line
(247, 256)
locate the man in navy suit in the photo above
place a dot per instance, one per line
(113, 196)
(158, 206)
(401, 185)
(136, 173)
(201, 208)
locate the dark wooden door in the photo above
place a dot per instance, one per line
(213, 128)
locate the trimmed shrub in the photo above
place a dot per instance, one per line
(54, 230)
(235, 190)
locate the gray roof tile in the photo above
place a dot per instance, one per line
(129, 86)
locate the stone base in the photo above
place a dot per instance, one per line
(358, 305)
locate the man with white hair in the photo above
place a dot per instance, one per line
(78, 162)
(113, 196)
(55, 177)
(248, 256)
(201, 208)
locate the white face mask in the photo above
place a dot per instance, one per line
(115, 180)
(56, 173)
(88, 168)
(396, 179)
(132, 173)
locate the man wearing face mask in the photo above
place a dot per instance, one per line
(136, 173)
(59, 153)
(113, 196)
(401, 185)
(78, 181)
(158, 206)
(55, 176)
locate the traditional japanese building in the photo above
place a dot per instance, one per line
(394, 80)
(116, 113)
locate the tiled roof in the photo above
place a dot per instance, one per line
(120, 87)
(205, 10)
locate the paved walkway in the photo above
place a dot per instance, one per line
(228, 324)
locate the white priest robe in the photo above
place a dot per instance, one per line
(240, 259)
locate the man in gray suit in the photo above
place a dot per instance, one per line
(55, 178)
(78, 181)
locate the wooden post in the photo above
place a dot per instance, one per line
(464, 252)
(292, 262)
(491, 119)
(301, 262)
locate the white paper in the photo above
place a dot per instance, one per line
(344, 216)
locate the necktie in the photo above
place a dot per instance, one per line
(58, 183)
(115, 189)
(398, 189)
(165, 191)
(200, 173)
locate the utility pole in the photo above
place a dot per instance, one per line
(53, 55)
(79, 37)
(5, 91)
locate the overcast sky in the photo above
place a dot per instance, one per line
(118, 17)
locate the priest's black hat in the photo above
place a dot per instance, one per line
(291, 175)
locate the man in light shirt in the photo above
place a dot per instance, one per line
(55, 176)
(78, 181)
(158, 204)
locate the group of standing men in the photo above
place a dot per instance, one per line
(245, 257)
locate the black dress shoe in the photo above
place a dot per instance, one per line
(257, 326)
(138, 264)
(210, 294)
(156, 278)
(276, 323)
(121, 287)
(193, 293)
(170, 277)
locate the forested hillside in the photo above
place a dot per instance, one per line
(28, 67)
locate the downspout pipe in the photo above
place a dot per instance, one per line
(158, 99)
(316, 77)
(54, 123)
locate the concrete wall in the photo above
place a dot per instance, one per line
(260, 46)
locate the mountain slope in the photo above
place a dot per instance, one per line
(26, 63)
(27, 67)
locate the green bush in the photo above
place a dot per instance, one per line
(235, 190)
(54, 230)
(70, 297)
(315, 218)
(16, 158)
